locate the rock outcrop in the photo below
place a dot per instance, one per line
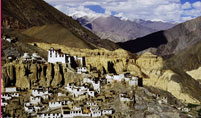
(166, 79)
(196, 74)
(22, 76)
(27, 76)
(43, 77)
(49, 74)
(58, 76)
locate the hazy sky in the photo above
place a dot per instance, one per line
(156, 10)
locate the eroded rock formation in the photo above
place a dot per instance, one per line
(163, 78)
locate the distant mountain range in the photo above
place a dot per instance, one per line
(167, 42)
(119, 30)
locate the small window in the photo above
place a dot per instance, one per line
(51, 54)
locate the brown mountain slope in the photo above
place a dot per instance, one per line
(23, 14)
(170, 41)
(187, 59)
(56, 34)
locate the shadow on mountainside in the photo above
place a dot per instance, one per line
(150, 41)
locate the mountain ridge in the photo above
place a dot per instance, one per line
(118, 30)
(172, 40)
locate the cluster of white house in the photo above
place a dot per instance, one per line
(132, 81)
(85, 88)
(89, 87)
(77, 91)
(35, 99)
(92, 110)
(32, 108)
(58, 104)
(10, 92)
(66, 113)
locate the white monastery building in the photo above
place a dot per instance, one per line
(55, 56)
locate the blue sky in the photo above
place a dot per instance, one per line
(191, 1)
(96, 8)
(155, 10)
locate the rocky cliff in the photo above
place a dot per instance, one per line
(26, 76)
